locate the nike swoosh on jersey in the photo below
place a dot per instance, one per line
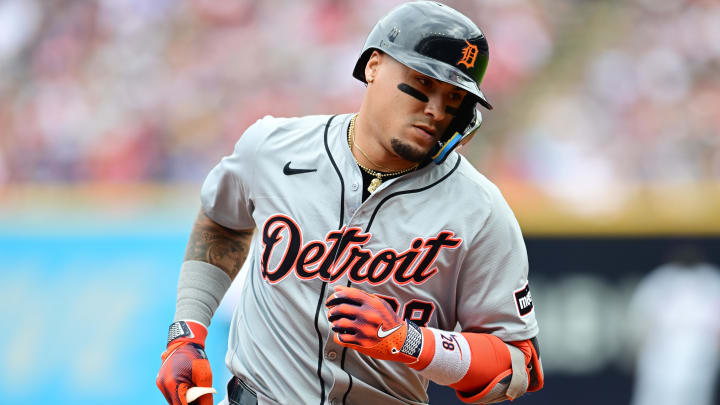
(288, 171)
(385, 333)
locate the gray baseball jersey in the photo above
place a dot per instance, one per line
(439, 243)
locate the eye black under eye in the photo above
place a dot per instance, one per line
(410, 90)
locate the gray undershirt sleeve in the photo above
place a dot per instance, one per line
(201, 286)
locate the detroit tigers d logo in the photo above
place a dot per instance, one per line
(469, 55)
(342, 252)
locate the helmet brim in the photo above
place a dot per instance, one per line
(427, 66)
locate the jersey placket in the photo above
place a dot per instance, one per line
(357, 215)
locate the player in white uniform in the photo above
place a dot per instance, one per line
(374, 240)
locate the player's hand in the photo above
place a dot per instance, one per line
(185, 365)
(367, 323)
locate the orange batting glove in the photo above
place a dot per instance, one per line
(185, 365)
(368, 324)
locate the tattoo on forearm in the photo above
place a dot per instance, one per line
(217, 245)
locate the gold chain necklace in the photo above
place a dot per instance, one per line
(377, 181)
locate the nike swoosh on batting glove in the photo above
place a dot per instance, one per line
(366, 323)
(185, 364)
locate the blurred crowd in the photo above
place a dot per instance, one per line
(633, 98)
(587, 92)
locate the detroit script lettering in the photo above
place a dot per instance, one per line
(342, 252)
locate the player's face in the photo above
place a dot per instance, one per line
(412, 109)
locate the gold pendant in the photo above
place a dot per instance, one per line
(374, 184)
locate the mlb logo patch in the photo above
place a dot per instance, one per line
(523, 300)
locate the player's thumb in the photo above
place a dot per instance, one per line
(202, 377)
(181, 394)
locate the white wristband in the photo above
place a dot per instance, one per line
(451, 360)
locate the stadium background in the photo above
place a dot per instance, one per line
(605, 140)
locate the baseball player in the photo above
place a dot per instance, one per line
(382, 259)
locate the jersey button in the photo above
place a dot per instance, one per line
(333, 401)
(331, 355)
(355, 186)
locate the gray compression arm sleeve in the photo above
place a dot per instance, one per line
(200, 288)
